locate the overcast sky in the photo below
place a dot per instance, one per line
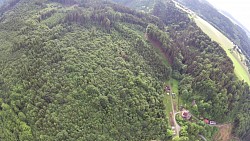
(239, 9)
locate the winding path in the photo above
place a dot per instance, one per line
(177, 126)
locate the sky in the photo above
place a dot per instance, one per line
(239, 9)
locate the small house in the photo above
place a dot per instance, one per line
(185, 114)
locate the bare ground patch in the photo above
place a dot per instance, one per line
(225, 133)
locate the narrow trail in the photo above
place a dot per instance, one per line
(177, 126)
(202, 137)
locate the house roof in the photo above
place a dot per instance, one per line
(206, 121)
(186, 114)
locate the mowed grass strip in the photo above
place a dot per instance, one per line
(174, 84)
(240, 69)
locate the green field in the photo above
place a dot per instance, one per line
(174, 84)
(240, 69)
(167, 103)
(167, 100)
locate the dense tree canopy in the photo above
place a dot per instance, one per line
(208, 73)
(83, 73)
(89, 70)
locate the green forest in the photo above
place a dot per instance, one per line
(233, 31)
(87, 70)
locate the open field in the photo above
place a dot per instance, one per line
(167, 100)
(240, 69)
(167, 103)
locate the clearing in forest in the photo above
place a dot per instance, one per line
(224, 133)
(172, 83)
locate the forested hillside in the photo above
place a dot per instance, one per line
(221, 22)
(79, 71)
(87, 70)
(209, 77)
(206, 73)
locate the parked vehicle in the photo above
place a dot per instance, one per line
(212, 122)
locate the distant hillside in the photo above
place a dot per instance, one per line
(142, 5)
(221, 22)
(236, 22)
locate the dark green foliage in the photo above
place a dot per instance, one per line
(191, 130)
(188, 57)
(209, 73)
(242, 122)
(88, 70)
(86, 76)
(169, 14)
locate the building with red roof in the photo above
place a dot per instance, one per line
(206, 121)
